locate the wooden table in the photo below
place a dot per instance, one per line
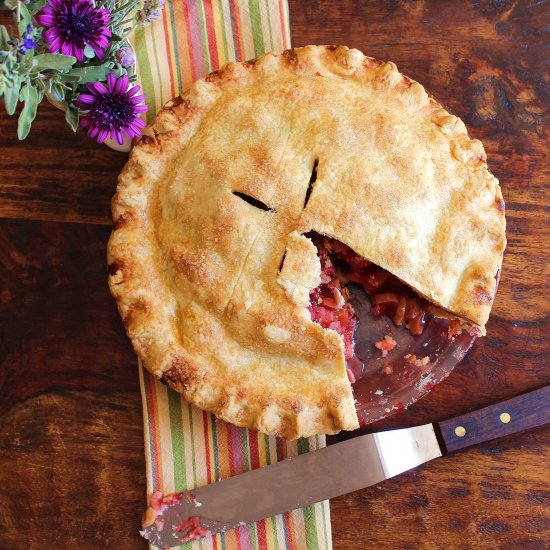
(71, 451)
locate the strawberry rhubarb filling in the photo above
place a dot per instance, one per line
(330, 308)
(191, 528)
(389, 296)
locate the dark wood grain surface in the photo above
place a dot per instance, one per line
(71, 451)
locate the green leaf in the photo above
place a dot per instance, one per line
(68, 77)
(69, 97)
(52, 61)
(11, 97)
(57, 92)
(35, 7)
(4, 37)
(30, 96)
(28, 61)
(91, 73)
(72, 116)
(125, 7)
(24, 18)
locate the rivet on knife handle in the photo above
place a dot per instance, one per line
(514, 415)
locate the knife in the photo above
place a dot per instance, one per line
(332, 471)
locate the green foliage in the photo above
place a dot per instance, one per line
(30, 96)
(52, 61)
(11, 96)
(92, 73)
(4, 38)
(24, 18)
(72, 115)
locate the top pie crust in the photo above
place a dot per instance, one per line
(196, 270)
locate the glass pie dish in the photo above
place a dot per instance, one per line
(398, 346)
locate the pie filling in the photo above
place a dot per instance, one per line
(191, 528)
(329, 305)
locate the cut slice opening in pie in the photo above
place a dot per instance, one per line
(254, 199)
(330, 306)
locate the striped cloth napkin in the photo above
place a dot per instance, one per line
(185, 447)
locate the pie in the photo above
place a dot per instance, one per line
(241, 198)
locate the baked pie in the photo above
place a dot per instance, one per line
(254, 197)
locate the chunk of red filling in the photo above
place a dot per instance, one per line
(157, 505)
(386, 345)
(193, 529)
(388, 294)
(329, 306)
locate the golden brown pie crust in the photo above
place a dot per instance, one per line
(196, 270)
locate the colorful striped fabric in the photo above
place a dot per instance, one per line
(196, 37)
(185, 447)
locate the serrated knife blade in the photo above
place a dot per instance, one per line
(297, 482)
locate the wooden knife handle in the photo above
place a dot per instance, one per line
(525, 411)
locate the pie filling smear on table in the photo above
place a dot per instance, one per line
(254, 199)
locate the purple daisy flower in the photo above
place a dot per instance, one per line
(112, 109)
(73, 25)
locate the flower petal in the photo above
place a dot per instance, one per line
(93, 131)
(141, 109)
(51, 34)
(100, 41)
(46, 19)
(86, 98)
(78, 53)
(97, 50)
(111, 81)
(46, 10)
(97, 88)
(102, 136)
(85, 101)
(133, 91)
(55, 45)
(105, 15)
(135, 129)
(67, 48)
(122, 84)
(130, 130)
(137, 100)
